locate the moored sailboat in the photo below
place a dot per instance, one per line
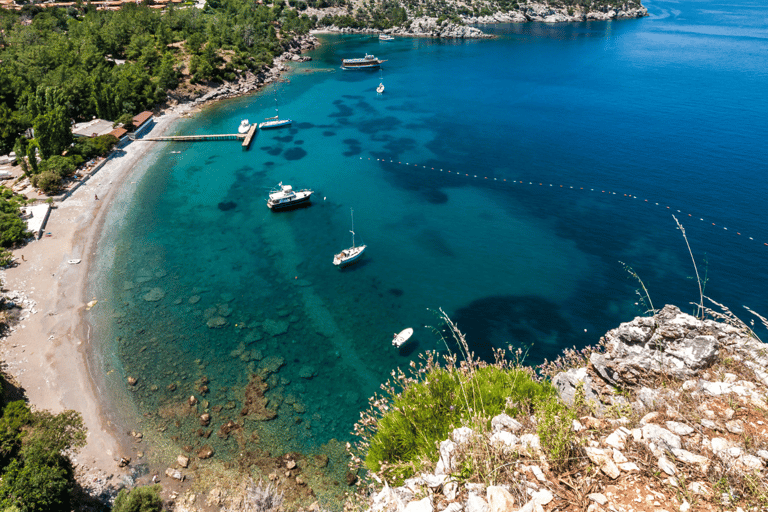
(349, 256)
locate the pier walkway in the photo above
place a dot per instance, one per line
(245, 137)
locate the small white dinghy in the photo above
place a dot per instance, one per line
(401, 338)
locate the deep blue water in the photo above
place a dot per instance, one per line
(501, 180)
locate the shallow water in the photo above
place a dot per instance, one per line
(503, 181)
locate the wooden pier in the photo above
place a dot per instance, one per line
(249, 136)
(245, 137)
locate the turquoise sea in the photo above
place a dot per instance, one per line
(501, 180)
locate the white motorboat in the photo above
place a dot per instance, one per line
(380, 88)
(351, 255)
(386, 37)
(401, 337)
(283, 196)
(244, 126)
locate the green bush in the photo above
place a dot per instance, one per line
(140, 499)
(412, 421)
(47, 181)
(554, 420)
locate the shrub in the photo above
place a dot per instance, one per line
(140, 499)
(47, 181)
(554, 420)
(401, 430)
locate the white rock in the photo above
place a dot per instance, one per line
(637, 434)
(628, 466)
(719, 444)
(505, 440)
(763, 454)
(503, 422)
(576, 426)
(446, 461)
(598, 498)
(735, 426)
(689, 385)
(648, 418)
(499, 499)
(685, 506)
(619, 457)
(734, 451)
(434, 481)
(450, 490)
(617, 439)
(699, 488)
(690, 458)
(661, 436)
(667, 466)
(476, 504)
(454, 507)
(603, 459)
(750, 463)
(423, 505)
(543, 497)
(708, 424)
(537, 472)
(680, 429)
(461, 435)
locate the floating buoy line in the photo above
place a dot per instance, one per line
(541, 184)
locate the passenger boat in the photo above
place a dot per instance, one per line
(386, 37)
(283, 196)
(244, 126)
(367, 62)
(351, 255)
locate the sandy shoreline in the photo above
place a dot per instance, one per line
(48, 351)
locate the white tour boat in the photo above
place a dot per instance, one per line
(284, 197)
(402, 337)
(244, 126)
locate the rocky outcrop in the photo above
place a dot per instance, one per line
(671, 396)
(429, 27)
(542, 12)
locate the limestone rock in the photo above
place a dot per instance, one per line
(506, 423)
(661, 436)
(476, 504)
(681, 429)
(499, 499)
(567, 384)
(604, 460)
(182, 460)
(423, 505)
(445, 464)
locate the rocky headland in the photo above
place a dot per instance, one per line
(673, 416)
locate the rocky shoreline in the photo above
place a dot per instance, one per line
(545, 13)
(678, 420)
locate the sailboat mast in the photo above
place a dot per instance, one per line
(351, 213)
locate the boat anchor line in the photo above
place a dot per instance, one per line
(521, 182)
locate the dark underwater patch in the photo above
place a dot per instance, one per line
(517, 321)
(227, 205)
(295, 154)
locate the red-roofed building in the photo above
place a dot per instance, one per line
(143, 122)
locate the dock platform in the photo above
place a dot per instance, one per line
(249, 136)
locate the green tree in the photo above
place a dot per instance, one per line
(53, 131)
(140, 499)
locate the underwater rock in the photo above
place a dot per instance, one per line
(194, 299)
(253, 337)
(177, 301)
(182, 460)
(227, 205)
(205, 419)
(192, 401)
(307, 372)
(321, 460)
(206, 452)
(275, 327)
(144, 276)
(227, 429)
(217, 322)
(128, 285)
(132, 380)
(255, 403)
(227, 297)
(271, 364)
(175, 474)
(154, 295)
(224, 310)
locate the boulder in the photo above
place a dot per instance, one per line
(499, 499)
